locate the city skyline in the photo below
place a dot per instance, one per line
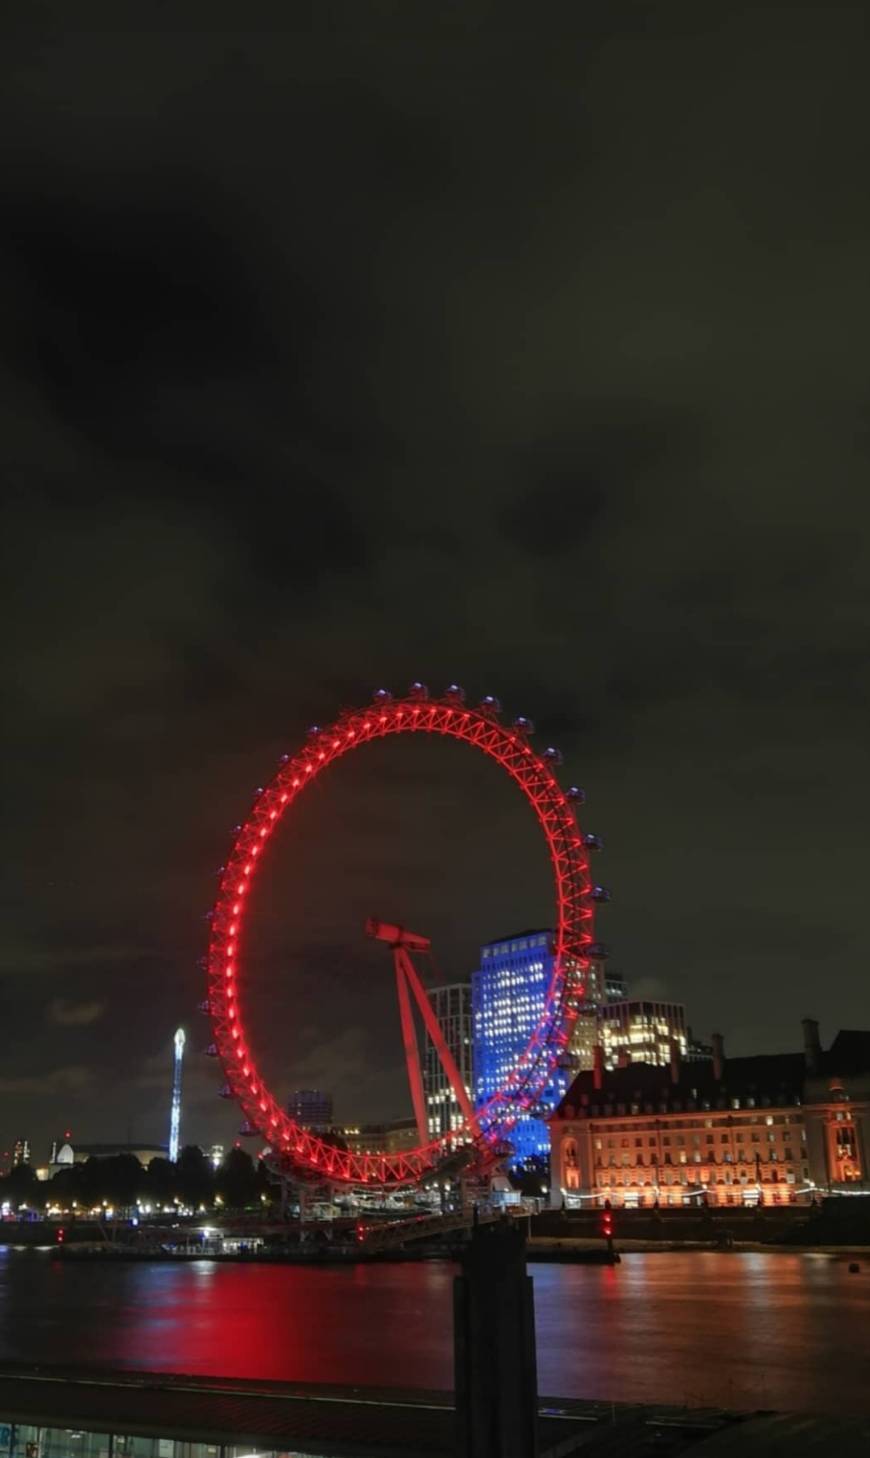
(215, 1120)
(617, 1011)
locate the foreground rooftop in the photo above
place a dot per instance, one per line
(340, 1422)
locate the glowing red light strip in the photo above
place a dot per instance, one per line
(573, 933)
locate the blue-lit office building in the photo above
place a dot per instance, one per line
(508, 995)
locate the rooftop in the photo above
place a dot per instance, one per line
(770, 1079)
(776, 1077)
(505, 942)
(849, 1052)
(102, 1150)
(349, 1423)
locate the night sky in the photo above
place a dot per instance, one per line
(520, 348)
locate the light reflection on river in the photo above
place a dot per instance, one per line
(739, 1330)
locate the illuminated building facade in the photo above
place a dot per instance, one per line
(837, 1109)
(614, 983)
(631, 1031)
(452, 1007)
(388, 1138)
(508, 994)
(642, 1031)
(20, 1152)
(310, 1107)
(584, 1038)
(771, 1129)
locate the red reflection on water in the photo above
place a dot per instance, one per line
(369, 1325)
(736, 1330)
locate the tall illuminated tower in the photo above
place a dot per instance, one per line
(452, 1007)
(508, 995)
(175, 1116)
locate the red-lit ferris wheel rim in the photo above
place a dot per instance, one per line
(556, 812)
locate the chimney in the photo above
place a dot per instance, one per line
(718, 1055)
(812, 1044)
(623, 1058)
(598, 1066)
(675, 1061)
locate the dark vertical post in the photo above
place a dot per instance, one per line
(607, 1228)
(494, 1347)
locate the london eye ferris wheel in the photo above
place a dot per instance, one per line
(484, 1130)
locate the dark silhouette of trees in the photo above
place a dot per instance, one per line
(120, 1181)
(20, 1186)
(236, 1181)
(194, 1176)
(162, 1182)
(532, 1176)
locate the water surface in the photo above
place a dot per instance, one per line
(739, 1330)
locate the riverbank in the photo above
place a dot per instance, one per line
(539, 1250)
(590, 1253)
(543, 1247)
(583, 1250)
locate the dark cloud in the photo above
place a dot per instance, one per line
(596, 473)
(67, 1014)
(69, 1082)
(399, 346)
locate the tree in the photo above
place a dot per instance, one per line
(195, 1178)
(161, 1182)
(118, 1179)
(20, 1186)
(531, 1176)
(236, 1180)
(66, 1185)
(265, 1183)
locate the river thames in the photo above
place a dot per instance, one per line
(738, 1330)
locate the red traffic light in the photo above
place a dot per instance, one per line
(60, 1235)
(606, 1224)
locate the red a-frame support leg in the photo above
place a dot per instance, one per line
(433, 1028)
(406, 979)
(409, 1038)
